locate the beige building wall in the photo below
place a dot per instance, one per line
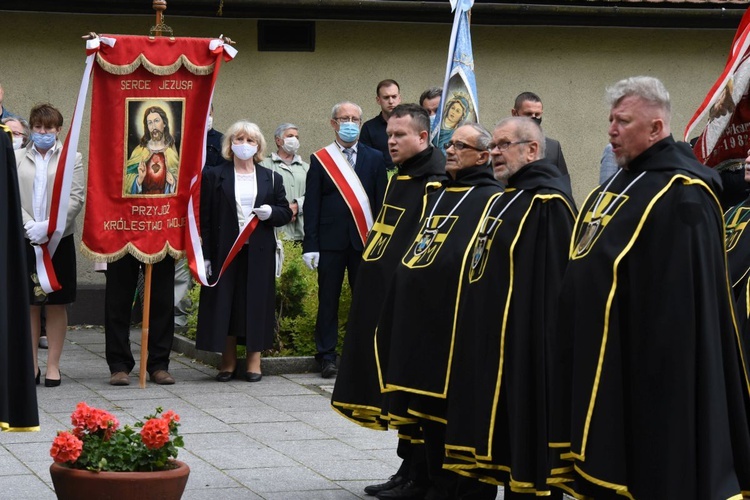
(43, 60)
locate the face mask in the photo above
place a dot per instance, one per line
(348, 131)
(244, 151)
(432, 121)
(291, 145)
(43, 141)
(209, 123)
(17, 142)
(538, 120)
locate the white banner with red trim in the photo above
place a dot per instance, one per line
(725, 139)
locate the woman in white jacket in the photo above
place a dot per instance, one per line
(37, 166)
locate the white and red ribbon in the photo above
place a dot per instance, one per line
(345, 178)
(193, 244)
(64, 178)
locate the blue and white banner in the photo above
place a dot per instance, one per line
(459, 100)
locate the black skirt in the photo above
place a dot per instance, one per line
(64, 263)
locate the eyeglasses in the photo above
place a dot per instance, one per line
(459, 146)
(504, 146)
(19, 134)
(343, 119)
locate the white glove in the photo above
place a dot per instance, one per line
(311, 259)
(207, 264)
(263, 212)
(37, 232)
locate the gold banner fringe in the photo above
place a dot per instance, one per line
(132, 250)
(126, 69)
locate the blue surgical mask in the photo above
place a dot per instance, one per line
(348, 131)
(43, 141)
(432, 121)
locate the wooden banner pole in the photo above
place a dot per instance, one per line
(159, 6)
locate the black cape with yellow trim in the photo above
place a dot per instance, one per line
(415, 334)
(18, 405)
(356, 394)
(507, 343)
(737, 242)
(659, 386)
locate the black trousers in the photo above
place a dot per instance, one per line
(122, 280)
(330, 280)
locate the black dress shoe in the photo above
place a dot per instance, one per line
(225, 376)
(253, 377)
(406, 491)
(394, 481)
(38, 378)
(329, 369)
(50, 382)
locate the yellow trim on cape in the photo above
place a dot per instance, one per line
(5, 427)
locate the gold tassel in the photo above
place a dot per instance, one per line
(132, 250)
(127, 69)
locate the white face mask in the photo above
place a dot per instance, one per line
(209, 123)
(291, 145)
(17, 142)
(244, 151)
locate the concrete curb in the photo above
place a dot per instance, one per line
(269, 366)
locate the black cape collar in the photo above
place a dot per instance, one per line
(479, 175)
(667, 154)
(541, 174)
(427, 162)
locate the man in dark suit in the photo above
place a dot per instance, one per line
(344, 190)
(529, 104)
(388, 96)
(213, 142)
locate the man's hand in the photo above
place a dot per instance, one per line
(141, 173)
(311, 259)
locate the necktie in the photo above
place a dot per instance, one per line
(349, 152)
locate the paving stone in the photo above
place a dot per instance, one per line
(270, 432)
(291, 480)
(242, 441)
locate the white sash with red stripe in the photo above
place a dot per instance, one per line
(349, 185)
(63, 179)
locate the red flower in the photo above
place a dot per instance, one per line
(65, 448)
(87, 418)
(155, 433)
(171, 416)
(80, 415)
(102, 420)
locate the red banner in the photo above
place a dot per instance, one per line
(149, 107)
(725, 139)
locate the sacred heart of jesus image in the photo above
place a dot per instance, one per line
(156, 174)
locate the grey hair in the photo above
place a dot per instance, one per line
(243, 127)
(283, 128)
(484, 139)
(336, 108)
(648, 88)
(24, 124)
(526, 129)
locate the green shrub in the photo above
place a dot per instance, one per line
(296, 307)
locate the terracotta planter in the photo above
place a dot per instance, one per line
(74, 484)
